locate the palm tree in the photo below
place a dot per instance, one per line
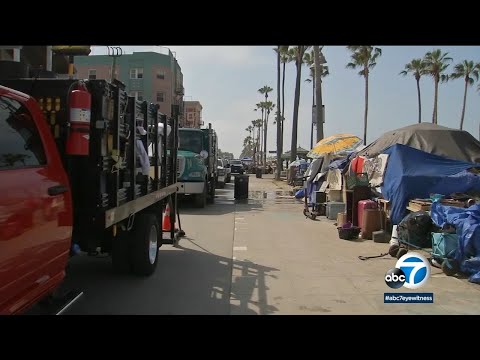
(264, 91)
(364, 57)
(278, 120)
(296, 54)
(249, 129)
(309, 60)
(260, 106)
(417, 68)
(268, 106)
(435, 65)
(468, 71)
(284, 58)
(320, 72)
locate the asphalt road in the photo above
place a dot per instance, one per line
(194, 278)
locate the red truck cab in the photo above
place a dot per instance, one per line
(36, 215)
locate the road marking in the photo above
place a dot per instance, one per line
(239, 218)
(239, 248)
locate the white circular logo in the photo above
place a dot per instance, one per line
(416, 269)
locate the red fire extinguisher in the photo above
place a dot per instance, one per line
(80, 104)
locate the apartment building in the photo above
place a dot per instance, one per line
(151, 76)
(193, 114)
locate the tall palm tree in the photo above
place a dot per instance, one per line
(278, 120)
(469, 72)
(324, 72)
(297, 54)
(260, 106)
(417, 68)
(365, 58)
(264, 91)
(268, 106)
(284, 58)
(249, 129)
(435, 64)
(320, 72)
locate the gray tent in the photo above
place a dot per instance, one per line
(435, 139)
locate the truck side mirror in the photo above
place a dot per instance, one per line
(203, 154)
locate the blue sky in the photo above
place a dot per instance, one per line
(225, 79)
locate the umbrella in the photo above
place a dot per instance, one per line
(335, 145)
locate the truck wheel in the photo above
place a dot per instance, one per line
(144, 244)
(120, 254)
(201, 199)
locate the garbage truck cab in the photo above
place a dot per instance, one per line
(197, 164)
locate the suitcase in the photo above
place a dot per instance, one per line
(362, 206)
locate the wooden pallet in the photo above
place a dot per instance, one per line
(419, 205)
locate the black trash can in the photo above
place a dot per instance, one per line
(258, 173)
(241, 187)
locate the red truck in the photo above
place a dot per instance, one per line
(71, 181)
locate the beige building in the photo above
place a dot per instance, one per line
(193, 114)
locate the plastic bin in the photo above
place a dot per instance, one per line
(333, 208)
(241, 187)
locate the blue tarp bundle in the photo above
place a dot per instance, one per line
(412, 173)
(467, 225)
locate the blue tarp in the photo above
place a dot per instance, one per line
(467, 225)
(412, 173)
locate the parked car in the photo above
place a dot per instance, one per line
(220, 174)
(237, 167)
(228, 170)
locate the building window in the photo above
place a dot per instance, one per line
(160, 74)
(160, 96)
(20, 143)
(136, 73)
(92, 74)
(138, 95)
(190, 116)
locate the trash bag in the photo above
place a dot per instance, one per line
(415, 229)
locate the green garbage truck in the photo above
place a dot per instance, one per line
(197, 164)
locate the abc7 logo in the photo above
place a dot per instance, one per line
(412, 270)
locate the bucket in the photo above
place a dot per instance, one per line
(341, 219)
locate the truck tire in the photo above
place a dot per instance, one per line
(201, 199)
(144, 243)
(120, 253)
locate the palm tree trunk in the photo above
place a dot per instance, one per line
(464, 103)
(313, 104)
(419, 102)
(283, 109)
(279, 122)
(265, 141)
(434, 116)
(366, 109)
(296, 103)
(318, 92)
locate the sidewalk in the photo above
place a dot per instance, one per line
(267, 183)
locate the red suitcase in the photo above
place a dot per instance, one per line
(362, 205)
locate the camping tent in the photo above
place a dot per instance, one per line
(411, 173)
(434, 139)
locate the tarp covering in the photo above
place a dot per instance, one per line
(412, 173)
(467, 225)
(431, 138)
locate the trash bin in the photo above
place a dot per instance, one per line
(241, 187)
(258, 173)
